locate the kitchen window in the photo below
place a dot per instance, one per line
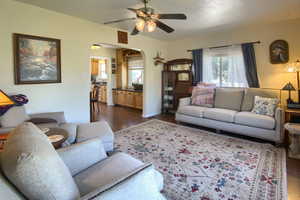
(135, 71)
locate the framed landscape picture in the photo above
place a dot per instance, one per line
(37, 59)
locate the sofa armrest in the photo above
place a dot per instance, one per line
(82, 155)
(279, 118)
(137, 185)
(58, 116)
(185, 101)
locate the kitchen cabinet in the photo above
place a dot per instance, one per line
(102, 94)
(127, 98)
(138, 100)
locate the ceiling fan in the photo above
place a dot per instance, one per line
(147, 20)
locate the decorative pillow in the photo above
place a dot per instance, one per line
(31, 163)
(203, 95)
(265, 106)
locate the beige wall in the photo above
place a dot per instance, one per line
(270, 76)
(77, 35)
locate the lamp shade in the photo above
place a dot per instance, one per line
(289, 87)
(5, 100)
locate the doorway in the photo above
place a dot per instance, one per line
(117, 80)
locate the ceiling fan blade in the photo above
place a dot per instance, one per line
(164, 26)
(120, 20)
(132, 9)
(135, 31)
(139, 12)
(171, 16)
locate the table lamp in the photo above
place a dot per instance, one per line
(295, 67)
(289, 87)
(5, 100)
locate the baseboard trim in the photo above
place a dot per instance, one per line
(150, 115)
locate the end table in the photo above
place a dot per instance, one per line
(294, 136)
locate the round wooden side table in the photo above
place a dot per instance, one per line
(57, 132)
(294, 136)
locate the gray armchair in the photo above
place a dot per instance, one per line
(32, 169)
(77, 132)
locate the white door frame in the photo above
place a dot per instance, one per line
(109, 79)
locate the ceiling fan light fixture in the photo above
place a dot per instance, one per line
(140, 25)
(151, 26)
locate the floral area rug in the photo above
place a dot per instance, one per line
(200, 165)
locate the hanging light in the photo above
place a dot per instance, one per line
(151, 26)
(140, 25)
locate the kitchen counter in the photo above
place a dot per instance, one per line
(128, 90)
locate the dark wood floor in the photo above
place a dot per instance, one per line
(121, 117)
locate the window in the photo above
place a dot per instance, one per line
(135, 71)
(103, 70)
(225, 67)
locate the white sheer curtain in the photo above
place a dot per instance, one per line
(237, 72)
(224, 66)
(208, 76)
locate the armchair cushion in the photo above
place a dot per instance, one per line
(81, 156)
(72, 131)
(7, 191)
(31, 163)
(96, 130)
(14, 117)
(105, 172)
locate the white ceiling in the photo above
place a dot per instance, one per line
(203, 15)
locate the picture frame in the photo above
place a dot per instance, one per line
(122, 37)
(279, 52)
(37, 60)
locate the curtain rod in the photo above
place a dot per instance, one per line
(257, 42)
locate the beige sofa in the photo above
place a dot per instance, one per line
(232, 112)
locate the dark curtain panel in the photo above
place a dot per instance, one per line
(250, 65)
(198, 65)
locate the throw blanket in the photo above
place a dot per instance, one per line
(19, 100)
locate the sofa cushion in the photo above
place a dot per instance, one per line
(250, 93)
(14, 117)
(195, 111)
(220, 114)
(229, 98)
(105, 172)
(31, 163)
(255, 120)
